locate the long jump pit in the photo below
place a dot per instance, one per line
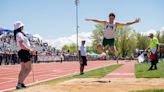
(100, 85)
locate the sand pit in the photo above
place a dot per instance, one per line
(100, 85)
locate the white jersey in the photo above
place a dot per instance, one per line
(82, 50)
(21, 37)
(109, 30)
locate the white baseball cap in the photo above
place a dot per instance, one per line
(18, 24)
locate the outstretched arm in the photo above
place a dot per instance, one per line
(129, 23)
(94, 20)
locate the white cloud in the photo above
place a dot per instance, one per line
(162, 30)
(60, 42)
(153, 31)
(148, 32)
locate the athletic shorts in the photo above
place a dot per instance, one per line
(84, 59)
(24, 55)
(108, 42)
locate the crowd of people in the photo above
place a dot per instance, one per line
(8, 49)
(9, 54)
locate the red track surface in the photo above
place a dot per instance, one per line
(43, 72)
(125, 71)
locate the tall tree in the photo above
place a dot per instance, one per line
(125, 40)
(142, 41)
(97, 36)
(72, 48)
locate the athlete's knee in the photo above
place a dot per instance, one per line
(113, 49)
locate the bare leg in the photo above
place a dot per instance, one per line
(27, 70)
(114, 52)
(113, 49)
(81, 68)
(21, 73)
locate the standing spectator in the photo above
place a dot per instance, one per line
(5, 44)
(61, 57)
(161, 53)
(24, 50)
(6, 59)
(82, 57)
(36, 57)
(153, 47)
(14, 58)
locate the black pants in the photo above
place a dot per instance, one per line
(84, 63)
(6, 59)
(153, 64)
(24, 55)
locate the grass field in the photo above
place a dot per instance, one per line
(98, 73)
(141, 70)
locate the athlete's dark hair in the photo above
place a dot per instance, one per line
(112, 14)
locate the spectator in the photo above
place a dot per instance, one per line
(24, 49)
(62, 57)
(36, 57)
(82, 57)
(14, 58)
(161, 53)
(153, 47)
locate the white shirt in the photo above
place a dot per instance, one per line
(82, 50)
(21, 37)
(109, 30)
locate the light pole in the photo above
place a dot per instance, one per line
(77, 25)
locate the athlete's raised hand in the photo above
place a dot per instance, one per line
(137, 20)
(88, 19)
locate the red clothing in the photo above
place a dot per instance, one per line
(153, 56)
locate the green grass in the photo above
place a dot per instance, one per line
(98, 73)
(141, 70)
(150, 90)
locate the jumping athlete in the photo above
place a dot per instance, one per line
(109, 30)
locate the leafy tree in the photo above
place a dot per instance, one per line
(90, 49)
(125, 40)
(142, 41)
(65, 47)
(72, 48)
(97, 36)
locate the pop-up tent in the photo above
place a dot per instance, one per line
(3, 30)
